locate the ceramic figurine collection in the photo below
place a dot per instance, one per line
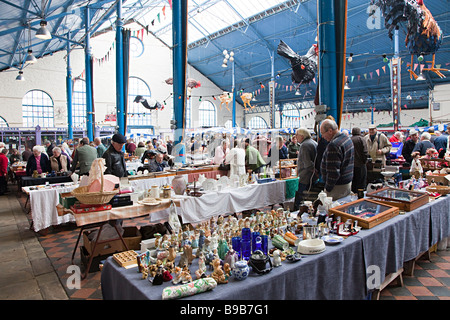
(226, 247)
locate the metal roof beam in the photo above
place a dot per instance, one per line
(25, 8)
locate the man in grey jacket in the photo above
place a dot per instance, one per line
(305, 164)
(83, 157)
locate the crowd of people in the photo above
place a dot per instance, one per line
(337, 161)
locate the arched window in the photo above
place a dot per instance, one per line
(207, 114)
(3, 123)
(257, 123)
(291, 117)
(79, 103)
(136, 47)
(138, 115)
(37, 109)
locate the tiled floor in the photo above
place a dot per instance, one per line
(430, 280)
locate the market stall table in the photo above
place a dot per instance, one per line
(98, 219)
(226, 201)
(340, 272)
(30, 181)
(43, 202)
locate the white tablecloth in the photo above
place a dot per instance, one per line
(43, 204)
(134, 165)
(145, 184)
(230, 200)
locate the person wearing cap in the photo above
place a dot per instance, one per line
(83, 157)
(114, 157)
(378, 145)
(409, 145)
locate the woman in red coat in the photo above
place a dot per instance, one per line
(3, 170)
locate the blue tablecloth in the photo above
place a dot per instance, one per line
(338, 273)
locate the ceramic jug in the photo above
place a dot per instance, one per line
(241, 270)
(179, 185)
(154, 192)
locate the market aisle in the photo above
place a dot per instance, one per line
(25, 270)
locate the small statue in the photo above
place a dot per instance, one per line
(172, 254)
(227, 270)
(200, 273)
(185, 277)
(186, 256)
(177, 277)
(218, 273)
(276, 258)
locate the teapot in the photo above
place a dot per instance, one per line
(258, 261)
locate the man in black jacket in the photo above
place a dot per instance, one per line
(114, 157)
(361, 155)
(409, 145)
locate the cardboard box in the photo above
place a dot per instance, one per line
(96, 261)
(66, 199)
(132, 237)
(103, 248)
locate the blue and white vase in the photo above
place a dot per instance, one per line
(241, 270)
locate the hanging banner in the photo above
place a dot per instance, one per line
(395, 91)
(272, 102)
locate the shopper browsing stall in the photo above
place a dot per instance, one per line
(305, 164)
(337, 162)
(378, 145)
(114, 157)
(38, 161)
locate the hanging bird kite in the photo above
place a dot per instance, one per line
(246, 98)
(303, 67)
(423, 34)
(225, 98)
(152, 104)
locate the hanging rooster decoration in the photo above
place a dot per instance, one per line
(190, 84)
(423, 35)
(303, 67)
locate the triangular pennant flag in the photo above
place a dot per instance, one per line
(353, 77)
(170, 4)
(153, 22)
(359, 77)
(371, 75)
(384, 69)
(159, 20)
(164, 11)
(378, 72)
(365, 75)
(415, 66)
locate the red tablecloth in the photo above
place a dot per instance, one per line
(208, 174)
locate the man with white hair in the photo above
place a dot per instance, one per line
(337, 162)
(396, 137)
(423, 145)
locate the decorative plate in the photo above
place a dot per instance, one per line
(332, 239)
(209, 184)
(149, 202)
(223, 180)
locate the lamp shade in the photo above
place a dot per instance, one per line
(420, 77)
(43, 32)
(20, 77)
(30, 57)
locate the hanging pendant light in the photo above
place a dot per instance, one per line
(30, 57)
(43, 32)
(420, 77)
(20, 77)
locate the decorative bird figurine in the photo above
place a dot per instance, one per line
(246, 98)
(303, 67)
(225, 98)
(151, 105)
(423, 34)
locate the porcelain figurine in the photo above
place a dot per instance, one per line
(185, 277)
(276, 258)
(227, 271)
(186, 256)
(222, 249)
(231, 257)
(177, 277)
(200, 273)
(218, 273)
